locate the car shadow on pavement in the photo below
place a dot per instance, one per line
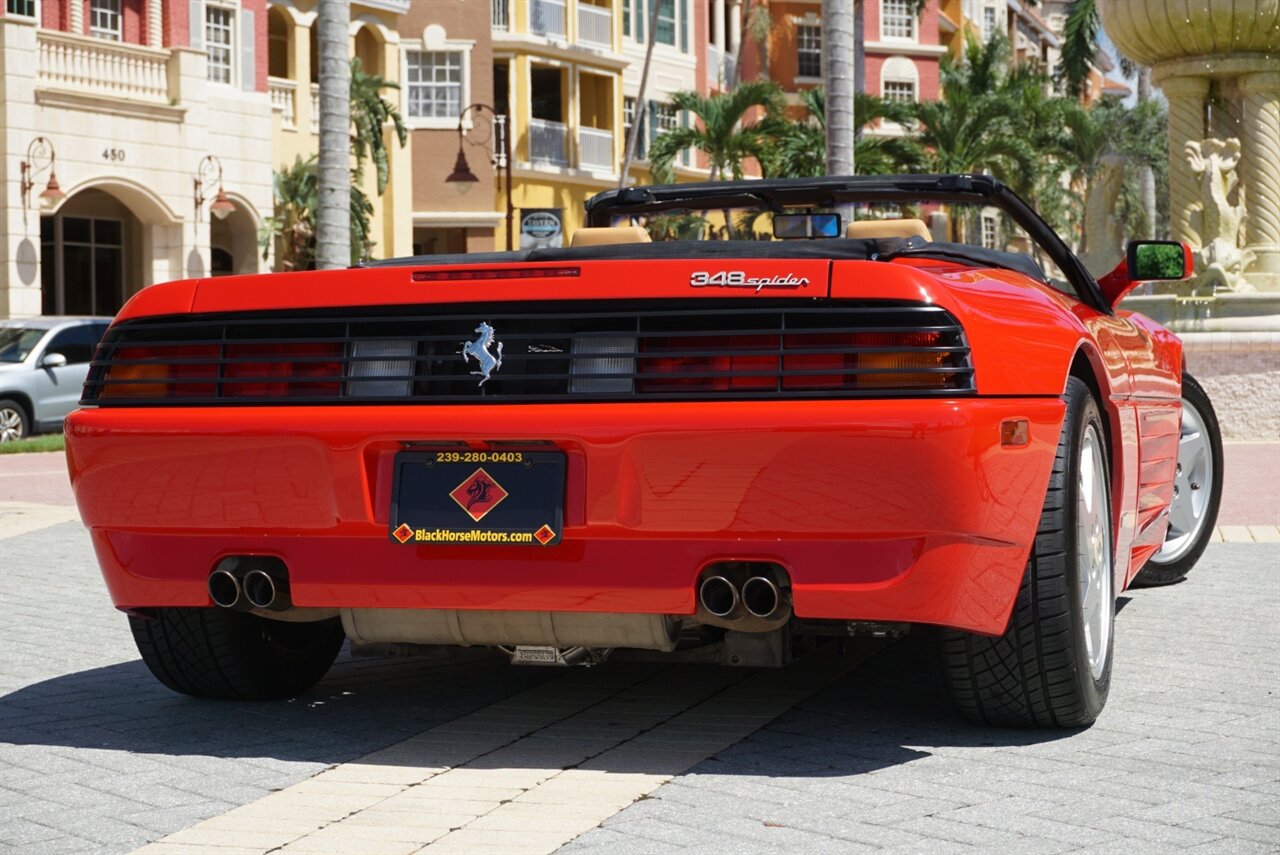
(860, 721)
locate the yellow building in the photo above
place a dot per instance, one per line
(557, 67)
(292, 70)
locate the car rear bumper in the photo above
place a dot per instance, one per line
(884, 510)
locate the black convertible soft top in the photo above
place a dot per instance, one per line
(884, 249)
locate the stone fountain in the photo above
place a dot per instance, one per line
(1218, 64)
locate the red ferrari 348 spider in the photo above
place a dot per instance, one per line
(852, 423)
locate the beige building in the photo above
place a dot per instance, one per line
(292, 69)
(130, 97)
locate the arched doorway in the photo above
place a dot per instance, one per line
(368, 49)
(279, 43)
(91, 255)
(233, 243)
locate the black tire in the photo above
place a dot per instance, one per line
(215, 653)
(1039, 674)
(1173, 566)
(15, 424)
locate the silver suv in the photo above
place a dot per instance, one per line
(43, 363)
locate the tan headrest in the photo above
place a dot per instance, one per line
(888, 229)
(604, 236)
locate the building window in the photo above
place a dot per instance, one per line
(21, 8)
(104, 20)
(434, 84)
(808, 50)
(990, 231)
(898, 19)
(666, 31)
(988, 23)
(219, 36)
(629, 119)
(900, 90)
(666, 117)
(626, 17)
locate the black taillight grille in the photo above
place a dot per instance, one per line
(549, 351)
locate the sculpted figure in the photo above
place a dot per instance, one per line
(1222, 261)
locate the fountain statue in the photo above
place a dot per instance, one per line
(1222, 259)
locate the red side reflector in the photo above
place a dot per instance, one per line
(1015, 433)
(495, 273)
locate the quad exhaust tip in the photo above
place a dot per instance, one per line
(260, 589)
(760, 597)
(224, 588)
(718, 595)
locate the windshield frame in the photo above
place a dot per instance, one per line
(779, 194)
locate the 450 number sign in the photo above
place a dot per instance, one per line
(114, 155)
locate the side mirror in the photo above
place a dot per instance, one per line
(1146, 261)
(53, 360)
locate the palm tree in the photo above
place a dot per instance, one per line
(333, 227)
(296, 191)
(838, 79)
(721, 132)
(1079, 47)
(799, 147)
(370, 113)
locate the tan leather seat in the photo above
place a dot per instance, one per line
(888, 229)
(605, 235)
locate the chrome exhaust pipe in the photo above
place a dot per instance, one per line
(266, 591)
(718, 596)
(760, 597)
(224, 588)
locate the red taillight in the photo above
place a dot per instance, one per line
(281, 370)
(804, 362)
(284, 369)
(154, 372)
(693, 357)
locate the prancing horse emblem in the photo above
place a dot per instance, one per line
(479, 350)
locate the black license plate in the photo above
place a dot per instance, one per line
(493, 498)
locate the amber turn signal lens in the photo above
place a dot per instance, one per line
(1015, 433)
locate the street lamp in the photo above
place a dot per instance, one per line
(462, 173)
(40, 156)
(210, 170)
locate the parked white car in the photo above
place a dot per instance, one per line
(43, 363)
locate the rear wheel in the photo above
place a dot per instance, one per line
(14, 424)
(1052, 666)
(1197, 491)
(215, 653)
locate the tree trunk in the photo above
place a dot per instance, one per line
(1146, 177)
(859, 57)
(641, 112)
(837, 73)
(333, 219)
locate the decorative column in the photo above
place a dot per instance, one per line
(77, 17)
(735, 25)
(1186, 96)
(1261, 174)
(718, 31)
(155, 23)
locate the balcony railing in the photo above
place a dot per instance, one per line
(284, 95)
(547, 142)
(96, 67)
(595, 26)
(547, 18)
(501, 15)
(315, 108)
(595, 149)
(730, 69)
(715, 66)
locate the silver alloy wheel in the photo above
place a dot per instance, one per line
(1192, 487)
(10, 424)
(1093, 552)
